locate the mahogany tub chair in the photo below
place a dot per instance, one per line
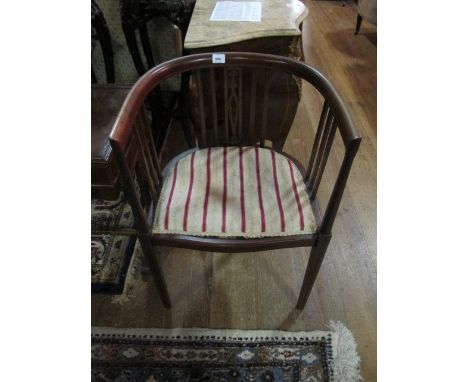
(231, 193)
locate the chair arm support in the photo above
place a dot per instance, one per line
(338, 188)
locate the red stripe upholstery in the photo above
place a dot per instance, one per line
(259, 189)
(223, 228)
(189, 193)
(207, 192)
(278, 197)
(296, 195)
(241, 181)
(234, 192)
(171, 194)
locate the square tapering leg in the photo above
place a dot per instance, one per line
(317, 254)
(158, 277)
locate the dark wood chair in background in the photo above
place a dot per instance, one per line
(100, 33)
(366, 9)
(233, 192)
(106, 101)
(135, 15)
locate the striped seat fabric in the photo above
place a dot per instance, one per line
(234, 192)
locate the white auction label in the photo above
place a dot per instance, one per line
(219, 58)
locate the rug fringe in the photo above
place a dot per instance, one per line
(345, 362)
(345, 357)
(215, 334)
(131, 279)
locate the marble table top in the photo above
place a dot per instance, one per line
(279, 18)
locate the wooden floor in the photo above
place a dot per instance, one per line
(259, 290)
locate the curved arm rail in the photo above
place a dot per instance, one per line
(167, 69)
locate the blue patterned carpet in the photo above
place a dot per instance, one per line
(212, 356)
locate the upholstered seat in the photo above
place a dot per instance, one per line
(234, 192)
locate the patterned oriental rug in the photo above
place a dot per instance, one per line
(178, 355)
(111, 255)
